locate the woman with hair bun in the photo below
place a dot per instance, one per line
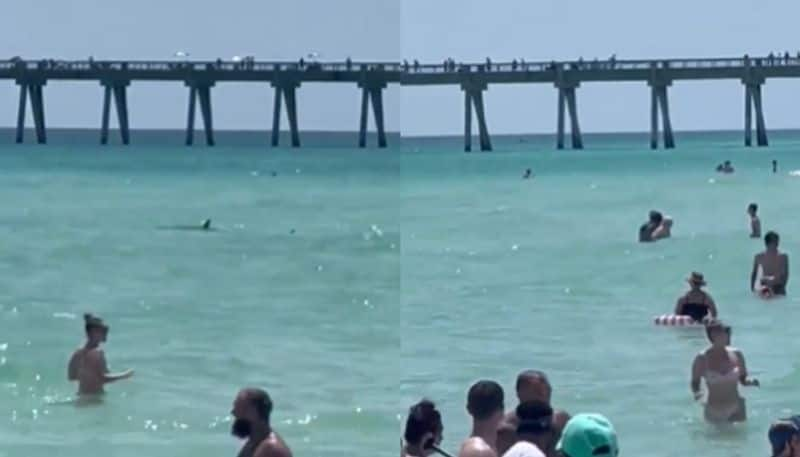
(88, 364)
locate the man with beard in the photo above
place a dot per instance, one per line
(251, 411)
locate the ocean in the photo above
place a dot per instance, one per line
(351, 283)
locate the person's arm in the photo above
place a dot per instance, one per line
(679, 307)
(506, 437)
(472, 449)
(755, 227)
(785, 270)
(109, 377)
(72, 368)
(743, 374)
(712, 307)
(754, 274)
(697, 375)
(270, 449)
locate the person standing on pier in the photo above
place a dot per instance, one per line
(251, 413)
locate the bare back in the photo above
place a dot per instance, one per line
(476, 447)
(88, 367)
(271, 446)
(773, 264)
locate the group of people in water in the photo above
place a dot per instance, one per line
(251, 408)
(534, 428)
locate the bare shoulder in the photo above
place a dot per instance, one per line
(272, 447)
(560, 419)
(476, 447)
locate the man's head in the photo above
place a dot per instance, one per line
(251, 407)
(535, 419)
(771, 239)
(655, 217)
(423, 425)
(533, 385)
(752, 209)
(485, 401)
(784, 436)
(96, 329)
(588, 435)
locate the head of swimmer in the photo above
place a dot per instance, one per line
(485, 402)
(655, 218)
(718, 333)
(771, 240)
(96, 329)
(752, 209)
(424, 428)
(533, 385)
(251, 411)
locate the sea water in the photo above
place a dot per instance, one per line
(502, 274)
(296, 292)
(352, 283)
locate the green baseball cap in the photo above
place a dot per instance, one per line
(588, 435)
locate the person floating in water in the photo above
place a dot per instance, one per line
(664, 230)
(774, 166)
(656, 228)
(528, 174)
(723, 368)
(696, 303)
(88, 364)
(726, 167)
(774, 267)
(755, 222)
(251, 412)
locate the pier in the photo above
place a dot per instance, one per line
(372, 78)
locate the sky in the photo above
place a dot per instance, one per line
(427, 30)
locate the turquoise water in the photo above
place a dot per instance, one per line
(501, 274)
(407, 275)
(310, 316)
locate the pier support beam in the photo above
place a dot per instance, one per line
(567, 98)
(372, 91)
(660, 99)
(34, 90)
(473, 97)
(288, 91)
(119, 91)
(752, 99)
(201, 89)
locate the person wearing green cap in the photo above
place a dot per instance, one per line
(588, 435)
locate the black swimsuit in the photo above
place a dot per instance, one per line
(697, 311)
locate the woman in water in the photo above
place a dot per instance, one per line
(88, 364)
(723, 368)
(696, 303)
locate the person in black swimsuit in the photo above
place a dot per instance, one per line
(647, 229)
(696, 303)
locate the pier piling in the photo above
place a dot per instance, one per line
(372, 91)
(287, 90)
(567, 101)
(201, 90)
(473, 97)
(659, 100)
(119, 91)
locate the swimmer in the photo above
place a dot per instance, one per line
(723, 367)
(696, 303)
(528, 174)
(755, 222)
(485, 404)
(775, 267)
(784, 436)
(535, 428)
(88, 364)
(774, 166)
(424, 430)
(532, 385)
(664, 230)
(726, 167)
(647, 229)
(251, 413)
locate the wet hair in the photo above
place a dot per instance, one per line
(91, 322)
(484, 399)
(656, 217)
(422, 418)
(714, 325)
(535, 417)
(530, 376)
(260, 400)
(752, 207)
(771, 237)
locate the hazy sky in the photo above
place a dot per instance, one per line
(428, 30)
